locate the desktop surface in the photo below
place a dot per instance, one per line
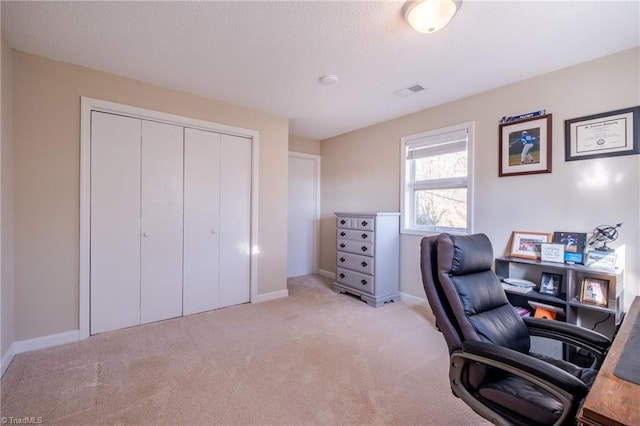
(612, 400)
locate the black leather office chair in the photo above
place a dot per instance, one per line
(491, 368)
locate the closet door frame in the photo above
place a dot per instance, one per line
(91, 104)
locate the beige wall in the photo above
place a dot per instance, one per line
(576, 196)
(6, 201)
(47, 167)
(304, 145)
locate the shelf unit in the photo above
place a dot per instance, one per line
(570, 290)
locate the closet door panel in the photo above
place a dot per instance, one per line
(235, 218)
(201, 220)
(115, 222)
(162, 191)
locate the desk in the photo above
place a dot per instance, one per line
(611, 400)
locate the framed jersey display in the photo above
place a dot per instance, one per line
(525, 146)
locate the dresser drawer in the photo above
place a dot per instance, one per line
(346, 223)
(354, 246)
(355, 262)
(365, 223)
(361, 223)
(362, 282)
(355, 234)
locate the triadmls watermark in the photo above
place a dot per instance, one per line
(26, 420)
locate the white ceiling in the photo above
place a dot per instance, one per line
(269, 55)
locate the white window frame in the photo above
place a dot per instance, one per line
(407, 186)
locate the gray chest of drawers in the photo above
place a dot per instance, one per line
(368, 256)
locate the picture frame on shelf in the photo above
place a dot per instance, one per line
(574, 244)
(525, 146)
(602, 260)
(595, 291)
(607, 134)
(527, 244)
(550, 252)
(550, 284)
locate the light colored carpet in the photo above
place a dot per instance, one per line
(314, 358)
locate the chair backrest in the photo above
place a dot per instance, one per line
(445, 320)
(466, 296)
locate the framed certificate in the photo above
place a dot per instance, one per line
(608, 134)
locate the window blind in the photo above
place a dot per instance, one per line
(440, 144)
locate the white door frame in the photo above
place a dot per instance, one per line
(316, 207)
(90, 104)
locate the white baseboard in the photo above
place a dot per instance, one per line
(412, 299)
(6, 359)
(46, 341)
(270, 296)
(327, 274)
(28, 345)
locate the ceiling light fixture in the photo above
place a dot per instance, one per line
(429, 16)
(329, 79)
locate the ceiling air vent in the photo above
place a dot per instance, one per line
(403, 93)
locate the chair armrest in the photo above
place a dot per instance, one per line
(584, 338)
(568, 389)
(529, 368)
(565, 329)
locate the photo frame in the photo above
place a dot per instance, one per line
(595, 291)
(527, 244)
(525, 146)
(574, 244)
(608, 134)
(550, 284)
(550, 252)
(602, 260)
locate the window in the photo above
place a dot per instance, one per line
(436, 181)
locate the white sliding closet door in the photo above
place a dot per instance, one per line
(170, 221)
(235, 218)
(201, 220)
(161, 252)
(115, 222)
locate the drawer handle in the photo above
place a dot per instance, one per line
(342, 259)
(342, 234)
(364, 282)
(365, 236)
(342, 222)
(365, 223)
(364, 264)
(341, 275)
(342, 245)
(364, 248)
